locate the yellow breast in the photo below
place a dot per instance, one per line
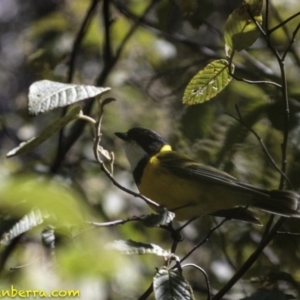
(186, 197)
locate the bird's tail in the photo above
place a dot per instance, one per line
(279, 202)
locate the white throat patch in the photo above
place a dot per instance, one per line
(134, 153)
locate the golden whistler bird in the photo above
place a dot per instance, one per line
(191, 189)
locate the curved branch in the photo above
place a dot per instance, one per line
(205, 276)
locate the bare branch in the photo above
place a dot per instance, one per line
(204, 240)
(255, 81)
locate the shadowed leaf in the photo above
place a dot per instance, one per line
(240, 30)
(46, 133)
(170, 284)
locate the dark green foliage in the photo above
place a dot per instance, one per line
(59, 209)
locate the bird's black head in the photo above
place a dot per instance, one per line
(150, 141)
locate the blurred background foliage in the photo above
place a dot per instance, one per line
(147, 52)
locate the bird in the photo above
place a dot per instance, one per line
(190, 189)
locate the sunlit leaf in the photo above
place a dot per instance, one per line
(46, 95)
(46, 133)
(208, 82)
(171, 285)
(240, 30)
(131, 247)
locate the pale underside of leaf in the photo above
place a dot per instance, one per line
(130, 247)
(46, 133)
(46, 95)
(171, 285)
(29, 221)
(163, 218)
(208, 82)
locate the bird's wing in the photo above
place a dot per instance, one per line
(183, 166)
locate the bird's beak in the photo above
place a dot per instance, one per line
(123, 136)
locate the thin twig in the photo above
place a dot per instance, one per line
(283, 23)
(114, 223)
(267, 10)
(205, 276)
(292, 41)
(101, 162)
(223, 247)
(265, 150)
(87, 118)
(27, 264)
(204, 240)
(285, 99)
(187, 223)
(270, 235)
(133, 29)
(293, 51)
(255, 81)
(107, 52)
(288, 233)
(147, 293)
(268, 226)
(79, 38)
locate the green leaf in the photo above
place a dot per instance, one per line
(170, 284)
(46, 133)
(208, 82)
(240, 30)
(46, 95)
(131, 247)
(53, 197)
